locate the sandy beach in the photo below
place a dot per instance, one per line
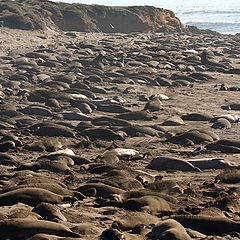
(108, 136)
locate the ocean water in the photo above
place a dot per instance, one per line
(219, 15)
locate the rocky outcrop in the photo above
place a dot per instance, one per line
(36, 14)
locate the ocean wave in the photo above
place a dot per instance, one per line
(213, 22)
(222, 27)
(190, 12)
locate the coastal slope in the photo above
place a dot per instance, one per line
(34, 14)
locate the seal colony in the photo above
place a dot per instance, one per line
(119, 136)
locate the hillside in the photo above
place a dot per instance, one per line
(40, 14)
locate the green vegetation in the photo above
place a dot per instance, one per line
(62, 5)
(99, 9)
(79, 6)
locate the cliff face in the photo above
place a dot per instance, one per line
(119, 19)
(38, 14)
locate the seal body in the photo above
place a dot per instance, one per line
(30, 196)
(171, 163)
(22, 228)
(169, 229)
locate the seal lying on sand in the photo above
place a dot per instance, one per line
(49, 212)
(225, 145)
(101, 133)
(209, 225)
(31, 196)
(171, 163)
(228, 176)
(206, 163)
(152, 204)
(23, 228)
(196, 136)
(205, 61)
(102, 190)
(124, 153)
(169, 229)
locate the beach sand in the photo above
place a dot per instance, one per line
(131, 71)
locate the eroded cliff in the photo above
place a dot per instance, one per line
(39, 14)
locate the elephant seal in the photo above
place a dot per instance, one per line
(195, 136)
(229, 117)
(169, 229)
(122, 197)
(167, 186)
(54, 131)
(234, 106)
(154, 105)
(24, 228)
(206, 163)
(43, 163)
(138, 115)
(71, 115)
(6, 159)
(112, 108)
(102, 190)
(124, 153)
(222, 148)
(221, 123)
(112, 234)
(49, 212)
(138, 131)
(225, 145)
(6, 145)
(229, 142)
(31, 196)
(45, 144)
(173, 121)
(123, 182)
(208, 225)
(152, 204)
(109, 121)
(228, 176)
(101, 133)
(229, 203)
(205, 61)
(134, 220)
(36, 110)
(197, 117)
(171, 163)
(50, 186)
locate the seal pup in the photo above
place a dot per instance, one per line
(112, 233)
(124, 153)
